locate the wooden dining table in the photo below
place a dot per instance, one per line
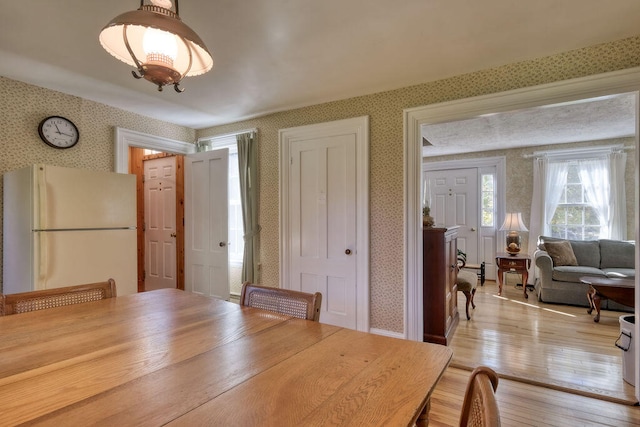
(169, 357)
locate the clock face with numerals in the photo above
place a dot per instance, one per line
(58, 132)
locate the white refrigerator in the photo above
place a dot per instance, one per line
(65, 227)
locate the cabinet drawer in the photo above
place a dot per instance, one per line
(506, 263)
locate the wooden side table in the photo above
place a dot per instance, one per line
(519, 263)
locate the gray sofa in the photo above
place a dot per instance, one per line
(559, 282)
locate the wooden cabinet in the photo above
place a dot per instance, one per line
(440, 291)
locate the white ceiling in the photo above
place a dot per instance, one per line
(584, 120)
(273, 55)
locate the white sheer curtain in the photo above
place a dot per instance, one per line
(548, 181)
(594, 175)
(618, 202)
(556, 179)
(537, 204)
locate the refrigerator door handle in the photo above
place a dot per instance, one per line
(41, 189)
(42, 262)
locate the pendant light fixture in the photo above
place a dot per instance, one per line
(155, 41)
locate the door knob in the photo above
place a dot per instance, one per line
(173, 234)
(222, 244)
(473, 229)
(348, 252)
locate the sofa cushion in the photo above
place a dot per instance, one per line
(561, 253)
(617, 254)
(587, 252)
(569, 273)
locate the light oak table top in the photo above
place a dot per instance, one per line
(172, 357)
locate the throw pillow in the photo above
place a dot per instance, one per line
(561, 253)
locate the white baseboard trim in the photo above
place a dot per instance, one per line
(387, 333)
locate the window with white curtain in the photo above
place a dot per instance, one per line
(575, 218)
(581, 193)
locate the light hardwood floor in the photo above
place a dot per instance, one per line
(557, 367)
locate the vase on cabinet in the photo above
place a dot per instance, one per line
(427, 219)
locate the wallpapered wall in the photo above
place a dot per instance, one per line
(386, 154)
(519, 185)
(23, 106)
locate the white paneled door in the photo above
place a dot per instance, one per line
(160, 223)
(454, 201)
(206, 223)
(323, 214)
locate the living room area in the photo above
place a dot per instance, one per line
(549, 339)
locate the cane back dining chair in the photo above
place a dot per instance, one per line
(480, 407)
(48, 298)
(302, 305)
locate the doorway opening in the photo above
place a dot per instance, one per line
(477, 214)
(235, 232)
(160, 218)
(625, 81)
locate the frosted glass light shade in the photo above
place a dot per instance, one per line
(161, 44)
(124, 38)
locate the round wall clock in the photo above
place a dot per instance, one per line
(58, 132)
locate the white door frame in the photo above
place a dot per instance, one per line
(360, 126)
(568, 90)
(125, 138)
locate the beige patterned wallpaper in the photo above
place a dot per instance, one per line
(23, 106)
(386, 154)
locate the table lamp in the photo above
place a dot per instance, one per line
(513, 224)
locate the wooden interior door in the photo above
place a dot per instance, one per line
(136, 167)
(160, 223)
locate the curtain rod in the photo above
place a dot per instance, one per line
(584, 150)
(253, 131)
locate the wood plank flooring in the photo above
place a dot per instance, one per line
(555, 345)
(557, 367)
(524, 404)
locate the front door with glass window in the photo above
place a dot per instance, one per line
(466, 197)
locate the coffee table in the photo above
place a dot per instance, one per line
(620, 290)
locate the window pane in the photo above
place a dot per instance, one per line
(487, 182)
(574, 193)
(591, 217)
(573, 176)
(487, 200)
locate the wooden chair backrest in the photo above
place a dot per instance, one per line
(480, 407)
(38, 300)
(284, 301)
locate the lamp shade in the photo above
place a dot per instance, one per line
(513, 222)
(156, 41)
